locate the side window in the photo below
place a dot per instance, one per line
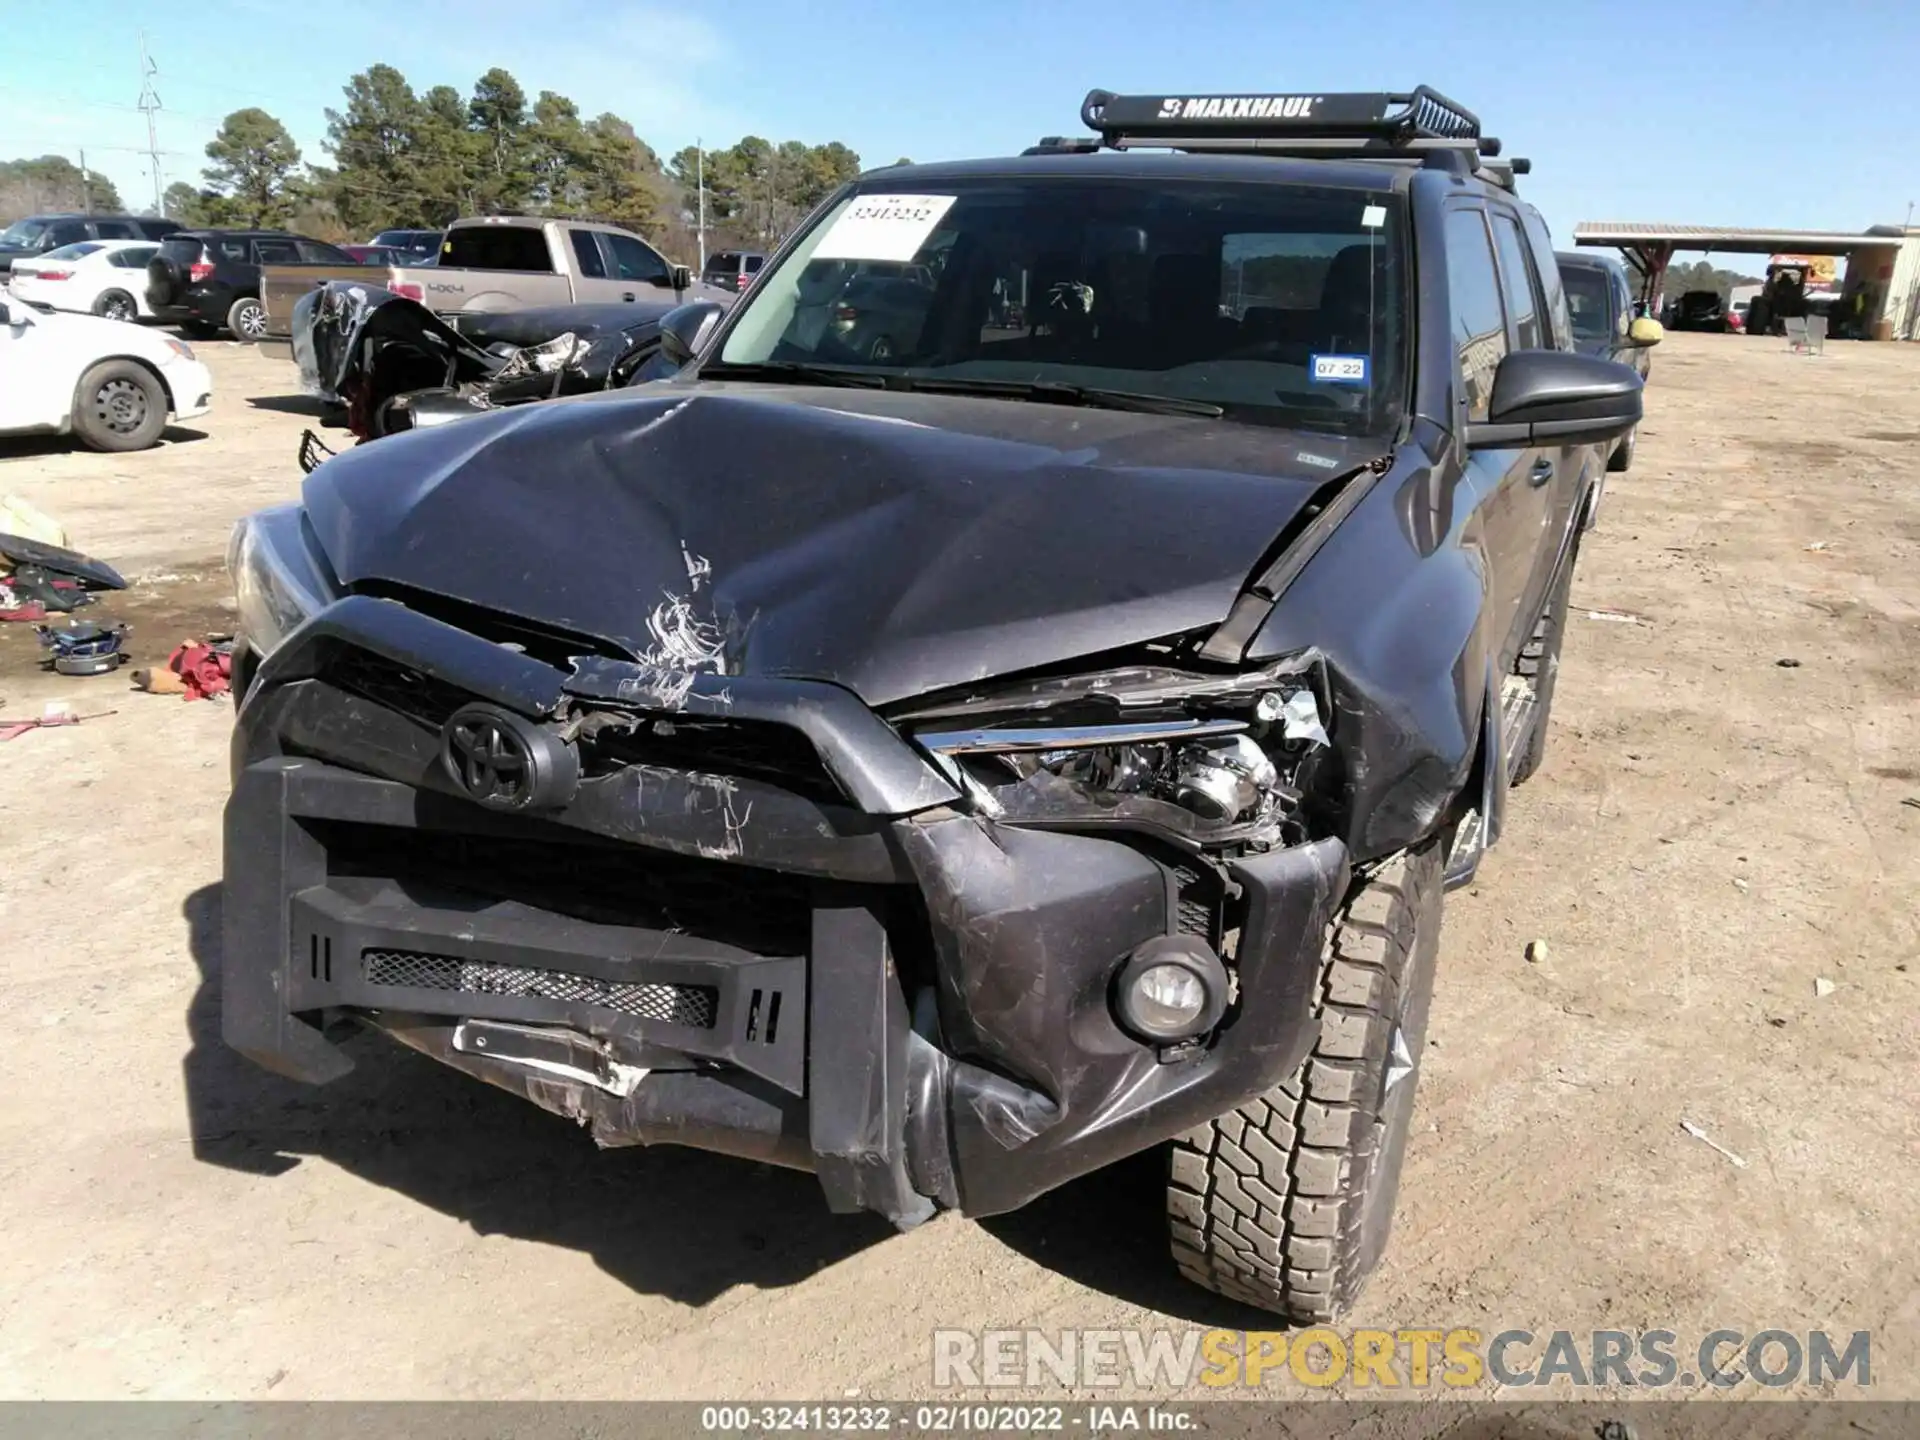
(134, 257)
(1516, 283)
(586, 252)
(65, 232)
(520, 248)
(233, 249)
(754, 262)
(275, 252)
(633, 260)
(1473, 295)
(115, 230)
(1552, 283)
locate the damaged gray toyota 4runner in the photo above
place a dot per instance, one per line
(1014, 698)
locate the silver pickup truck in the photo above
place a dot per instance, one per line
(501, 263)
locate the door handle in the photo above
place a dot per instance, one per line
(626, 295)
(1541, 473)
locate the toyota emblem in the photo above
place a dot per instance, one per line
(505, 761)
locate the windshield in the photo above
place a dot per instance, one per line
(1280, 304)
(23, 232)
(1587, 302)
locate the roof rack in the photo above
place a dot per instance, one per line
(1413, 126)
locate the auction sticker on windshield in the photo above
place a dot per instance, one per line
(1339, 369)
(883, 227)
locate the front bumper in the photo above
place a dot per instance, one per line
(191, 386)
(906, 1000)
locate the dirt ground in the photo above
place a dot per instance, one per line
(1729, 813)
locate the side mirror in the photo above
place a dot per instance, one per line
(1646, 331)
(682, 277)
(1552, 397)
(685, 329)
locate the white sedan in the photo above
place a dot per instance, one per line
(113, 384)
(97, 277)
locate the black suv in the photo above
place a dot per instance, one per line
(954, 771)
(37, 234)
(209, 280)
(732, 269)
(1600, 304)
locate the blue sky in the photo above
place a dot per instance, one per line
(1713, 111)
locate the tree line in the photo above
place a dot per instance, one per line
(53, 182)
(405, 158)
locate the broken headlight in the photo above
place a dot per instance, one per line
(280, 578)
(1212, 780)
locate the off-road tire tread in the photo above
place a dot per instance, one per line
(1265, 1203)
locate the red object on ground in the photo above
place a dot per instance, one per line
(205, 671)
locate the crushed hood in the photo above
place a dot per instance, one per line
(892, 543)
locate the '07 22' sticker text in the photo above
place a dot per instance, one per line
(1339, 370)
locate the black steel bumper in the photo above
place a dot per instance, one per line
(912, 1003)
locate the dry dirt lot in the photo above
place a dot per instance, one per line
(1729, 813)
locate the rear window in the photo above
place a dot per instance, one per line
(277, 252)
(1588, 297)
(498, 247)
(133, 257)
(182, 248)
(316, 252)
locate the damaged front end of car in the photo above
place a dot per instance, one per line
(756, 867)
(395, 365)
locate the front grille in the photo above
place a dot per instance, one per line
(404, 691)
(690, 1005)
(545, 868)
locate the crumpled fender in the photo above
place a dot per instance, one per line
(331, 322)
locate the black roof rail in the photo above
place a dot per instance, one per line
(1360, 123)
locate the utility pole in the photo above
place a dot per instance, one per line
(150, 106)
(86, 185)
(700, 171)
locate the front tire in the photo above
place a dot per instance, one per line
(115, 305)
(119, 406)
(247, 319)
(1286, 1202)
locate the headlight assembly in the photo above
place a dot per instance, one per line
(1212, 780)
(280, 578)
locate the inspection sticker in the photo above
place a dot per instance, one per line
(1339, 369)
(1373, 217)
(883, 227)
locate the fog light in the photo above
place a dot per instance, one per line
(1171, 988)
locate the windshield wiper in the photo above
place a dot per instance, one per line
(1059, 392)
(794, 372)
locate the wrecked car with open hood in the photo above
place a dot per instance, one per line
(395, 365)
(952, 769)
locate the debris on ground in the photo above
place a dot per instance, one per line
(196, 670)
(1823, 987)
(56, 714)
(1712, 1144)
(1740, 885)
(18, 517)
(1536, 952)
(1913, 800)
(1819, 545)
(1788, 663)
(1617, 617)
(82, 648)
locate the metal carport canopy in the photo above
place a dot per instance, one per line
(1731, 240)
(1649, 247)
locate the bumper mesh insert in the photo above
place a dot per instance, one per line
(690, 1005)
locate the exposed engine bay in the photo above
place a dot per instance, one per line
(395, 365)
